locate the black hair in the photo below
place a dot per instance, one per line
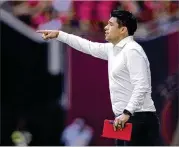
(127, 19)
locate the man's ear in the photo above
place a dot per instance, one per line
(124, 29)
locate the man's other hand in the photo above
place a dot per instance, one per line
(48, 34)
(119, 122)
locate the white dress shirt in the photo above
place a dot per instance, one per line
(128, 71)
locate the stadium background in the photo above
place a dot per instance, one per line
(44, 99)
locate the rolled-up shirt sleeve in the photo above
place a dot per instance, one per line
(139, 76)
(99, 50)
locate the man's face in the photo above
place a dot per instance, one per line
(112, 31)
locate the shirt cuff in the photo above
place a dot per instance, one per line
(130, 108)
(62, 36)
(127, 112)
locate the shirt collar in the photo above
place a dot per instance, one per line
(123, 42)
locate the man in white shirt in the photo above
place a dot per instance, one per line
(129, 75)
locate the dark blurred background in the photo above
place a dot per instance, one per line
(54, 95)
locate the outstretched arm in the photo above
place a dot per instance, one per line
(99, 50)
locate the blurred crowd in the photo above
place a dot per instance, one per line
(56, 14)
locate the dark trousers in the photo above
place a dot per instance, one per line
(145, 131)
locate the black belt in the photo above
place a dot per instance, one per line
(144, 113)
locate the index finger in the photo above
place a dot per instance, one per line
(43, 31)
(114, 125)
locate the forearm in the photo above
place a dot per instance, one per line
(75, 42)
(137, 100)
(139, 71)
(83, 45)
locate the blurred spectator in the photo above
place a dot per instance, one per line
(131, 6)
(60, 12)
(21, 136)
(38, 13)
(77, 133)
(92, 11)
(64, 10)
(169, 91)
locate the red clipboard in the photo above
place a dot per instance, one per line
(108, 131)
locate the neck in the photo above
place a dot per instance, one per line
(118, 39)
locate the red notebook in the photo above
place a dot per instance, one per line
(108, 131)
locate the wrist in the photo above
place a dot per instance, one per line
(57, 34)
(126, 112)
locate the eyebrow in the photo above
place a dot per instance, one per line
(110, 22)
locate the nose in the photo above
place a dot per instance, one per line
(106, 27)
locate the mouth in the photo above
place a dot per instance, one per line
(106, 34)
